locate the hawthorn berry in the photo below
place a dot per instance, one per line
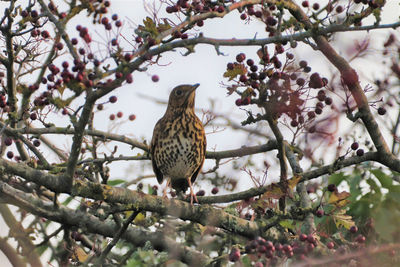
(112, 117)
(8, 141)
(332, 188)
(215, 190)
(353, 229)
(10, 154)
(113, 99)
(155, 78)
(360, 152)
(129, 78)
(381, 111)
(234, 255)
(319, 213)
(302, 237)
(240, 57)
(201, 193)
(33, 116)
(120, 114)
(360, 239)
(354, 146)
(36, 143)
(132, 117)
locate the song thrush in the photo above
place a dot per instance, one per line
(178, 145)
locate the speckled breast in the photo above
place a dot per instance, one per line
(180, 148)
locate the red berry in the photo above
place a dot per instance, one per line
(24, 13)
(104, 20)
(360, 239)
(305, 4)
(114, 17)
(155, 78)
(310, 238)
(118, 75)
(315, 6)
(234, 255)
(381, 111)
(132, 117)
(100, 106)
(59, 46)
(8, 141)
(10, 154)
(215, 190)
(330, 245)
(360, 152)
(328, 101)
(240, 57)
(112, 117)
(74, 41)
(319, 213)
(114, 42)
(34, 14)
(118, 23)
(354, 146)
(353, 229)
(120, 114)
(300, 81)
(36, 143)
(332, 188)
(201, 193)
(113, 99)
(303, 237)
(238, 102)
(33, 116)
(243, 16)
(45, 34)
(129, 78)
(303, 63)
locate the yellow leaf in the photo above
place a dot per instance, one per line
(342, 219)
(339, 199)
(150, 26)
(140, 219)
(294, 181)
(79, 254)
(274, 191)
(238, 69)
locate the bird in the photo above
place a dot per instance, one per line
(178, 145)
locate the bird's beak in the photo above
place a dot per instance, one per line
(194, 86)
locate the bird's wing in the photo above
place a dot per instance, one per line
(203, 155)
(154, 141)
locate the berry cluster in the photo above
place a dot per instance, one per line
(282, 87)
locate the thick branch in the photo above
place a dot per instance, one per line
(94, 225)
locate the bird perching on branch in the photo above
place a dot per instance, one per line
(178, 146)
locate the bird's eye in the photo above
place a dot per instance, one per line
(178, 92)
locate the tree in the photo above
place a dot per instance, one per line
(319, 211)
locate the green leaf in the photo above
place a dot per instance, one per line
(288, 224)
(383, 178)
(115, 182)
(336, 178)
(374, 186)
